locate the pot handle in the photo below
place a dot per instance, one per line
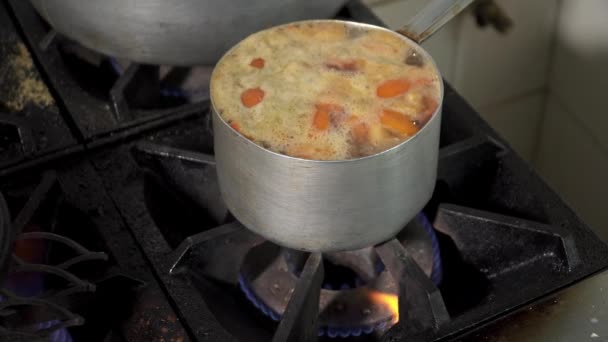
(431, 18)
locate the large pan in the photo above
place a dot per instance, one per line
(174, 32)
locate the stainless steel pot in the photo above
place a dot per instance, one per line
(327, 205)
(174, 32)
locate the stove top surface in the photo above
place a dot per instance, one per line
(116, 224)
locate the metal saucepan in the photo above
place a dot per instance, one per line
(327, 205)
(173, 32)
(334, 205)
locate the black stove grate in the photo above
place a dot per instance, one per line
(153, 206)
(507, 240)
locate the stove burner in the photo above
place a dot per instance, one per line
(368, 297)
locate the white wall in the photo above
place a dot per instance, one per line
(573, 148)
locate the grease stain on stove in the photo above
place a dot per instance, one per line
(26, 86)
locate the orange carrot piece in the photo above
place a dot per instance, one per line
(235, 125)
(321, 119)
(397, 122)
(258, 63)
(323, 113)
(392, 88)
(252, 97)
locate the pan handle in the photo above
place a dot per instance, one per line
(431, 18)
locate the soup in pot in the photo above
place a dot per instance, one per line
(325, 90)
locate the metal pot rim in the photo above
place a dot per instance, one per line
(419, 48)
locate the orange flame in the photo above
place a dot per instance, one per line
(389, 300)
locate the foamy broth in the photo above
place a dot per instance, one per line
(325, 90)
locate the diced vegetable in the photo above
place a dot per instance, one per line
(360, 133)
(258, 63)
(359, 130)
(392, 88)
(235, 125)
(310, 151)
(323, 114)
(397, 122)
(344, 64)
(378, 135)
(252, 97)
(321, 119)
(414, 99)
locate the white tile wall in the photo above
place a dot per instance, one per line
(491, 67)
(575, 164)
(580, 67)
(517, 121)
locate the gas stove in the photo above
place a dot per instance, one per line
(112, 226)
